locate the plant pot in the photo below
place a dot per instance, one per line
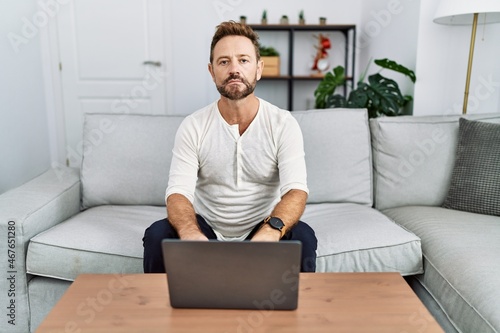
(271, 65)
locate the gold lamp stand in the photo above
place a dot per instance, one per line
(469, 65)
(460, 12)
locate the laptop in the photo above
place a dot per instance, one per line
(232, 275)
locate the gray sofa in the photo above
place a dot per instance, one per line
(376, 188)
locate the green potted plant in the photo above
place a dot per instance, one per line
(380, 95)
(264, 17)
(268, 51)
(271, 59)
(302, 19)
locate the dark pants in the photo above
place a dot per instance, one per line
(153, 236)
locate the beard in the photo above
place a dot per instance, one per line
(233, 92)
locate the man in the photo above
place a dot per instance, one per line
(238, 170)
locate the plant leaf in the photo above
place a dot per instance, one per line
(407, 99)
(392, 65)
(336, 101)
(327, 86)
(268, 51)
(385, 95)
(381, 96)
(358, 98)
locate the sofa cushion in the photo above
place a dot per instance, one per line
(126, 158)
(338, 155)
(475, 181)
(413, 158)
(461, 252)
(104, 239)
(107, 239)
(356, 238)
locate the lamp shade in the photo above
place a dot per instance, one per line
(461, 12)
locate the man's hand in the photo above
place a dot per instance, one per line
(266, 233)
(183, 218)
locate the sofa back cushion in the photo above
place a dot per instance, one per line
(413, 158)
(126, 158)
(338, 155)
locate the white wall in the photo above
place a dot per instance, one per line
(24, 143)
(442, 58)
(389, 29)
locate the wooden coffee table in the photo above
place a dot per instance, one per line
(328, 302)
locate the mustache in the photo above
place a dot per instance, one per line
(234, 77)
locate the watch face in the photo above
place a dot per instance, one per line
(276, 223)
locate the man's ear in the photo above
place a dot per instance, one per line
(260, 68)
(211, 71)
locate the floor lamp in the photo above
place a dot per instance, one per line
(468, 12)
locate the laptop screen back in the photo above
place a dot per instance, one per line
(232, 275)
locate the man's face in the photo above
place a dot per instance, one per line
(235, 69)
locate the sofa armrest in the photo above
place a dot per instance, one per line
(26, 211)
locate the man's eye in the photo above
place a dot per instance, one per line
(244, 61)
(223, 62)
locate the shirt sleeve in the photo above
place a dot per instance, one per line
(184, 166)
(291, 158)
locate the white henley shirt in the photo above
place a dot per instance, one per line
(235, 181)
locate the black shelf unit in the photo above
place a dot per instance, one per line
(349, 32)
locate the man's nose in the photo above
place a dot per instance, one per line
(234, 67)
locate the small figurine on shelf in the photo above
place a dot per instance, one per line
(321, 59)
(243, 19)
(302, 19)
(322, 21)
(264, 17)
(284, 19)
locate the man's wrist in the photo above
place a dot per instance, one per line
(192, 235)
(266, 229)
(275, 223)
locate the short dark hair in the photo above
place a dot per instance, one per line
(231, 28)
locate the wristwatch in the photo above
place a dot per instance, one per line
(276, 223)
